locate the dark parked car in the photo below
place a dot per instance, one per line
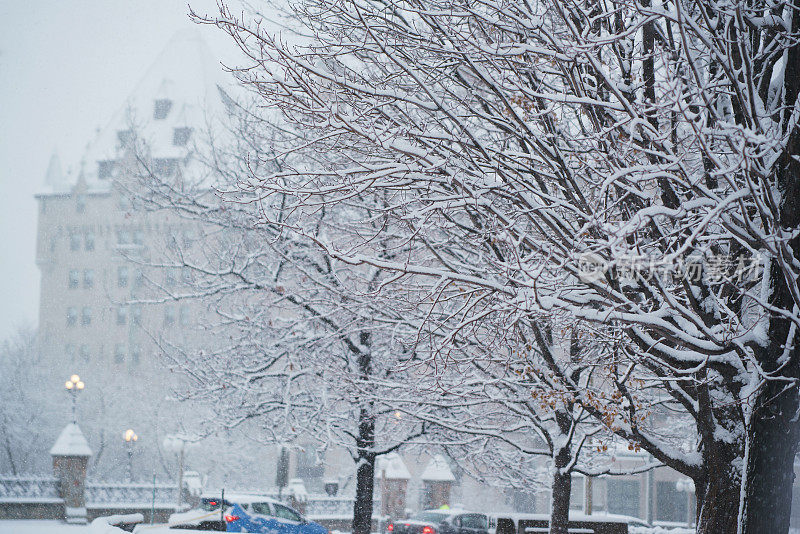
(442, 522)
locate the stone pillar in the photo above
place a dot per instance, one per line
(71, 454)
(393, 498)
(298, 496)
(437, 493)
(438, 479)
(392, 477)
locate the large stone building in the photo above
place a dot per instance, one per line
(105, 307)
(93, 247)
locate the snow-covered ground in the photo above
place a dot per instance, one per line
(57, 527)
(41, 527)
(660, 530)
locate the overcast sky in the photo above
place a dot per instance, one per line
(65, 67)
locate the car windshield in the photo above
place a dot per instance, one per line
(474, 521)
(429, 517)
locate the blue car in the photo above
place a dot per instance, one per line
(247, 513)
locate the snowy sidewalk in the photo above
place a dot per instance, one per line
(41, 527)
(57, 527)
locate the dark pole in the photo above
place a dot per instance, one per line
(74, 395)
(153, 505)
(130, 462)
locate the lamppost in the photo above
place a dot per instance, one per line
(178, 443)
(130, 438)
(74, 386)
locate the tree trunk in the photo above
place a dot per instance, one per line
(562, 489)
(365, 447)
(774, 429)
(718, 500)
(365, 485)
(770, 466)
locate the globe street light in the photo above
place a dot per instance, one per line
(74, 386)
(130, 438)
(178, 444)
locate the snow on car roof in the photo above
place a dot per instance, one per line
(574, 515)
(449, 511)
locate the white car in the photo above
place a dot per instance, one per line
(207, 517)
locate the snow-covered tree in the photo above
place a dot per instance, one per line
(28, 421)
(515, 144)
(304, 345)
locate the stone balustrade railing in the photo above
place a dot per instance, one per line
(113, 495)
(28, 489)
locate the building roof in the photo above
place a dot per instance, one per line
(190, 83)
(71, 442)
(54, 177)
(394, 467)
(438, 470)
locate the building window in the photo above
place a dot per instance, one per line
(622, 496)
(169, 277)
(576, 495)
(72, 316)
(88, 278)
(69, 352)
(138, 280)
(124, 202)
(308, 464)
(123, 237)
(88, 241)
(74, 242)
(138, 237)
(188, 238)
(74, 278)
(136, 314)
(122, 315)
(180, 136)
(187, 276)
(136, 354)
(86, 316)
(671, 504)
(161, 108)
(105, 169)
(169, 315)
(122, 276)
(165, 166)
(183, 315)
(85, 353)
(119, 353)
(80, 203)
(125, 138)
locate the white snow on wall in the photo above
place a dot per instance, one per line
(71, 442)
